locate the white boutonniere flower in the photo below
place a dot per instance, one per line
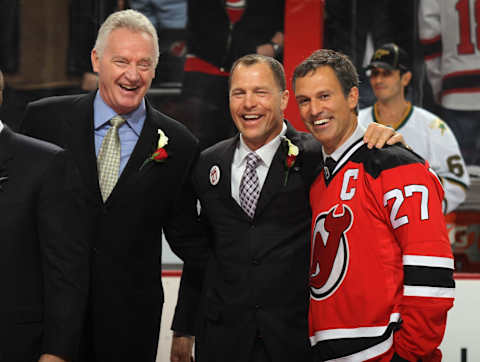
(292, 153)
(160, 155)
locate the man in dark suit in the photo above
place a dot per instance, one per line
(43, 251)
(255, 292)
(151, 155)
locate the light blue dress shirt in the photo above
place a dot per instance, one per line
(129, 132)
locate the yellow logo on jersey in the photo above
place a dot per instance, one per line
(438, 123)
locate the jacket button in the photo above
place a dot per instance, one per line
(255, 262)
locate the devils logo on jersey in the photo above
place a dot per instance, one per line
(329, 251)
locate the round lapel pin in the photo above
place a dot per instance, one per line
(214, 175)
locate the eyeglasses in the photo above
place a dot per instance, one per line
(375, 72)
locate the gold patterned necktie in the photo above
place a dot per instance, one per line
(108, 160)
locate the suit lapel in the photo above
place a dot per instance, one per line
(144, 147)
(6, 154)
(82, 141)
(222, 158)
(224, 161)
(275, 179)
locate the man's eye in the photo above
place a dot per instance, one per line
(145, 66)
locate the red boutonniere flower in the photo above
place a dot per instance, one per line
(292, 153)
(160, 155)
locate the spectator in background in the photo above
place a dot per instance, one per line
(218, 33)
(169, 17)
(390, 74)
(450, 36)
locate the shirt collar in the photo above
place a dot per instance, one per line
(1, 126)
(103, 113)
(358, 133)
(266, 152)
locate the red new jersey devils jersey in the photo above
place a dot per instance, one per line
(381, 265)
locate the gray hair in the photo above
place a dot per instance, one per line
(132, 20)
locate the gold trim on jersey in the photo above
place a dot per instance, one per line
(406, 115)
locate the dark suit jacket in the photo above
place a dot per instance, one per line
(126, 289)
(257, 276)
(43, 251)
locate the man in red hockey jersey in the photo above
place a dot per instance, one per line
(381, 266)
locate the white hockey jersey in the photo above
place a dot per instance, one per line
(432, 139)
(449, 31)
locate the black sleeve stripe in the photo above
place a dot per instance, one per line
(428, 277)
(341, 347)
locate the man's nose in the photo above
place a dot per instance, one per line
(132, 73)
(250, 100)
(316, 107)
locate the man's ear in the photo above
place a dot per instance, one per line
(406, 78)
(95, 60)
(284, 100)
(353, 98)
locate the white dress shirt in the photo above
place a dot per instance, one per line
(1, 126)
(265, 153)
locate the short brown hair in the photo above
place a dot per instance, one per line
(275, 66)
(340, 64)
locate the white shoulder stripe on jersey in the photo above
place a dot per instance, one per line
(415, 291)
(368, 353)
(338, 333)
(431, 261)
(346, 156)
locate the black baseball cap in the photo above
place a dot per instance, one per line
(390, 56)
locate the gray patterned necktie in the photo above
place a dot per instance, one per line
(108, 161)
(250, 186)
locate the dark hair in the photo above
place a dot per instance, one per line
(340, 63)
(275, 66)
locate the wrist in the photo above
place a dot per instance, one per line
(180, 334)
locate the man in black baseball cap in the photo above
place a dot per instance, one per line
(390, 56)
(425, 132)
